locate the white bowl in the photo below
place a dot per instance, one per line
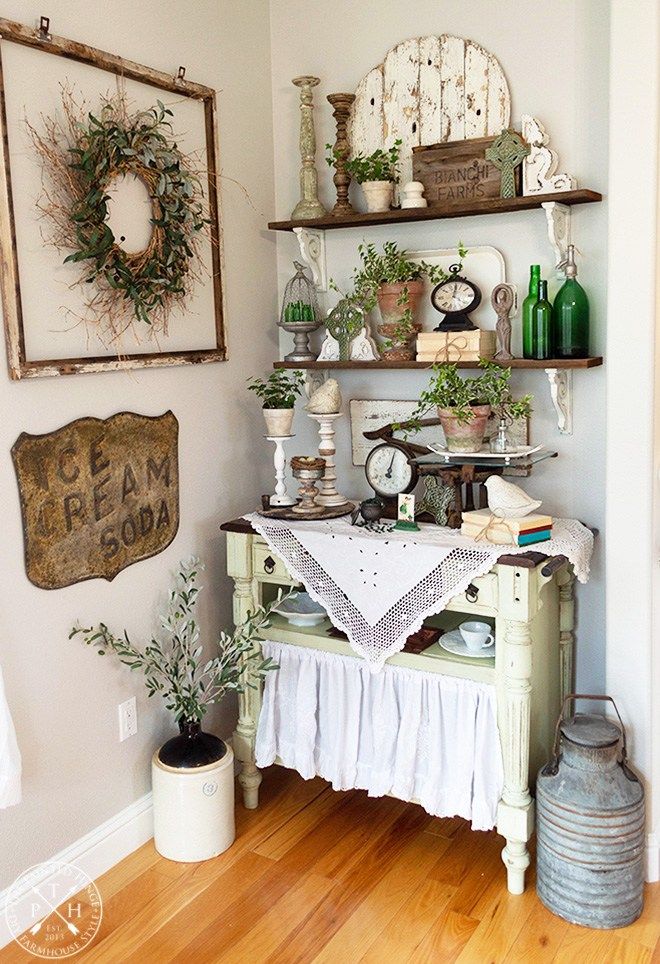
(301, 610)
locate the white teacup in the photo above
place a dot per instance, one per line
(476, 635)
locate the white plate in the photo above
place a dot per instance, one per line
(519, 453)
(453, 642)
(301, 610)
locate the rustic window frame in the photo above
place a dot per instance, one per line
(19, 365)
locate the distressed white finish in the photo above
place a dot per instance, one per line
(429, 90)
(312, 250)
(539, 167)
(526, 608)
(558, 217)
(561, 395)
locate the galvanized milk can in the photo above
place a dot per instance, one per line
(590, 824)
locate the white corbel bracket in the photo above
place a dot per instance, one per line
(311, 242)
(558, 217)
(561, 394)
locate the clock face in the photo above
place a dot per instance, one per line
(387, 470)
(454, 295)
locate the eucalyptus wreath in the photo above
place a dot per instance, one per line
(83, 154)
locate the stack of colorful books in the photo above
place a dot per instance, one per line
(482, 524)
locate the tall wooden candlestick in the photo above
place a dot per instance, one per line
(328, 485)
(281, 496)
(309, 205)
(341, 110)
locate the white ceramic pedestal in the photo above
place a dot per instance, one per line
(281, 496)
(193, 809)
(328, 494)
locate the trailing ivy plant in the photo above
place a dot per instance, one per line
(449, 390)
(280, 389)
(83, 156)
(379, 166)
(174, 667)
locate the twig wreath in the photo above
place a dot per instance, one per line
(82, 155)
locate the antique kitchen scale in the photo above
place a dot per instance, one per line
(454, 481)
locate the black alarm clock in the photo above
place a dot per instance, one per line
(454, 298)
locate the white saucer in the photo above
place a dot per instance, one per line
(453, 642)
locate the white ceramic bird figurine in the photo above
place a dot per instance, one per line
(507, 500)
(326, 400)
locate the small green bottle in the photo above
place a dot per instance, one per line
(542, 341)
(571, 313)
(528, 304)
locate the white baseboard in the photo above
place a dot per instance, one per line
(652, 858)
(99, 850)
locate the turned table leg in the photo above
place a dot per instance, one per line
(566, 580)
(515, 816)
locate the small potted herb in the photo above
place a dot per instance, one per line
(464, 405)
(394, 282)
(193, 773)
(377, 173)
(278, 393)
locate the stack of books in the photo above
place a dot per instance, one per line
(453, 346)
(506, 532)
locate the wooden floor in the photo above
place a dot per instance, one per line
(321, 876)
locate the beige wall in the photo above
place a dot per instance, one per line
(63, 697)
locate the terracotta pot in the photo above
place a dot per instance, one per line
(388, 300)
(464, 436)
(402, 349)
(378, 195)
(278, 421)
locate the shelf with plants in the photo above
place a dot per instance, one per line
(530, 363)
(466, 209)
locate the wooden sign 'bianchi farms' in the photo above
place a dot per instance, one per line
(97, 495)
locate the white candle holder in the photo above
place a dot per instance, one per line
(328, 488)
(281, 496)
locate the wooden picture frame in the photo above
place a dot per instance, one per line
(20, 366)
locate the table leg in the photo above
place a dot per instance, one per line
(249, 704)
(566, 581)
(515, 815)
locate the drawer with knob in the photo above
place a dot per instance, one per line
(267, 567)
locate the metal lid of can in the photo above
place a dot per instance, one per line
(587, 729)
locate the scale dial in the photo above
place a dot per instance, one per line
(389, 472)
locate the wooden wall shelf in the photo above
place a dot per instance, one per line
(553, 363)
(466, 210)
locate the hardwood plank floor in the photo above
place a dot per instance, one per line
(337, 878)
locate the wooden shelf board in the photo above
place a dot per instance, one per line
(393, 366)
(466, 210)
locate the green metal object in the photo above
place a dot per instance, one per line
(344, 323)
(437, 499)
(506, 152)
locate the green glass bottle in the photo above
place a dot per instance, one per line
(570, 314)
(542, 341)
(528, 304)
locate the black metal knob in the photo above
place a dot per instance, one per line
(269, 564)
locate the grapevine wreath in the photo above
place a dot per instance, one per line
(83, 154)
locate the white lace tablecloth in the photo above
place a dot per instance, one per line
(379, 587)
(417, 735)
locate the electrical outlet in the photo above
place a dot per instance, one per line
(127, 719)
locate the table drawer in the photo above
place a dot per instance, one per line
(266, 565)
(486, 595)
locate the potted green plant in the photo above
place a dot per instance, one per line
(390, 279)
(464, 405)
(278, 393)
(377, 174)
(193, 773)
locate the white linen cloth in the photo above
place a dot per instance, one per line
(417, 735)
(379, 587)
(10, 757)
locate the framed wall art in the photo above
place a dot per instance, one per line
(110, 229)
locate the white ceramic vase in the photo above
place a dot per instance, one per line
(278, 422)
(378, 195)
(193, 809)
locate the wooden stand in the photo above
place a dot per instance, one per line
(341, 110)
(281, 496)
(328, 495)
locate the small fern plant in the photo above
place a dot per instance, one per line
(173, 666)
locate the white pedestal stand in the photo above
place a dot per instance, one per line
(281, 496)
(328, 490)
